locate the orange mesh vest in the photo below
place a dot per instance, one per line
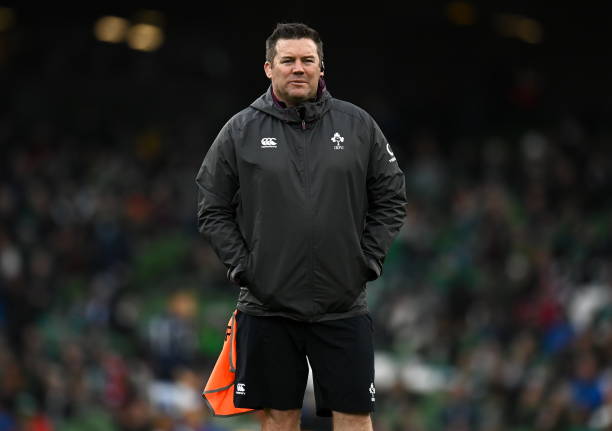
(219, 390)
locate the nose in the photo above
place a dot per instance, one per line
(298, 67)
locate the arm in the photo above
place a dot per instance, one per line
(218, 183)
(386, 200)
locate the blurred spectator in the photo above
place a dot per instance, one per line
(172, 336)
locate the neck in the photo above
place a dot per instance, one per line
(277, 101)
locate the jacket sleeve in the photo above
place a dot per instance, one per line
(386, 202)
(218, 184)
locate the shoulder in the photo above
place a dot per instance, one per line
(359, 117)
(342, 107)
(242, 119)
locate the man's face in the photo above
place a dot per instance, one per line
(295, 70)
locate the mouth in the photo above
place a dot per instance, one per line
(298, 82)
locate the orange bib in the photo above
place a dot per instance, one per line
(219, 390)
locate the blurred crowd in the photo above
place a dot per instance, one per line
(500, 285)
(100, 276)
(494, 311)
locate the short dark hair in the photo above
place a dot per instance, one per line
(292, 30)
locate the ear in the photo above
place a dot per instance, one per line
(322, 68)
(268, 69)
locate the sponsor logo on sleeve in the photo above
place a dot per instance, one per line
(392, 159)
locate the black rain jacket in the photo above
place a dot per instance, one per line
(301, 204)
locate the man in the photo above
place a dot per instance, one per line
(301, 196)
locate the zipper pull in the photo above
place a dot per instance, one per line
(303, 125)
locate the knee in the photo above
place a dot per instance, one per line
(352, 421)
(281, 420)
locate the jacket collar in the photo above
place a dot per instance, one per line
(308, 111)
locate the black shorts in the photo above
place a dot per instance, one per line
(272, 370)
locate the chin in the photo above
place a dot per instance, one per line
(302, 96)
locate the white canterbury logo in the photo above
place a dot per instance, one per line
(240, 388)
(372, 391)
(268, 143)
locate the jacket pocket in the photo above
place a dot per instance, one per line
(370, 268)
(364, 266)
(252, 284)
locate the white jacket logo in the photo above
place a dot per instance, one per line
(372, 391)
(392, 159)
(240, 388)
(268, 143)
(337, 139)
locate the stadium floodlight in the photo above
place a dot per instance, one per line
(111, 29)
(529, 30)
(518, 26)
(145, 37)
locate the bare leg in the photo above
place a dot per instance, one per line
(280, 420)
(352, 422)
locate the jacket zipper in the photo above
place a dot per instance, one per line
(307, 178)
